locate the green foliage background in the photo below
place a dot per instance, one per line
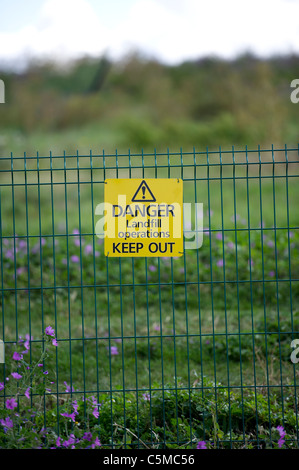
(137, 103)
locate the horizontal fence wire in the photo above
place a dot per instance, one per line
(174, 350)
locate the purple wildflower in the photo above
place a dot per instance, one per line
(9, 254)
(282, 434)
(71, 441)
(54, 342)
(16, 375)
(7, 422)
(152, 268)
(1, 386)
(11, 403)
(271, 273)
(219, 236)
(17, 357)
(88, 249)
(35, 248)
(50, 331)
(280, 442)
(75, 406)
(281, 431)
(27, 393)
(28, 338)
(75, 259)
(69, 415)
(68, 388)
(220, 263)
(146, 397)
(96, 443)
(22, 244)
(20, 270)
(201, 445)
(95, 413)
(93, 400)
(87, 436)
(113, 350)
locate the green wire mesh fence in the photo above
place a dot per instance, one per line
(156, 352)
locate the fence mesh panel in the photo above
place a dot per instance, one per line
(175, 350)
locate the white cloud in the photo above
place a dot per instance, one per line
(64, 29)
(171, 30)
(146, 27)
(226, 28)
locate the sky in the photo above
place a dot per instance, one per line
(171, 31)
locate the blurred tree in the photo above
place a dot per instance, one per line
(144, 102)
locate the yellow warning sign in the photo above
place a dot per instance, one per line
(143, 217)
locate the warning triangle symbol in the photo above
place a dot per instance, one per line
(143, 193)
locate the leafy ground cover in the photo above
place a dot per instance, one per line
(206, 416)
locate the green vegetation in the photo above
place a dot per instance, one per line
(208, 413)
(95, 104)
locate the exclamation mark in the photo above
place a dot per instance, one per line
(143, 192)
